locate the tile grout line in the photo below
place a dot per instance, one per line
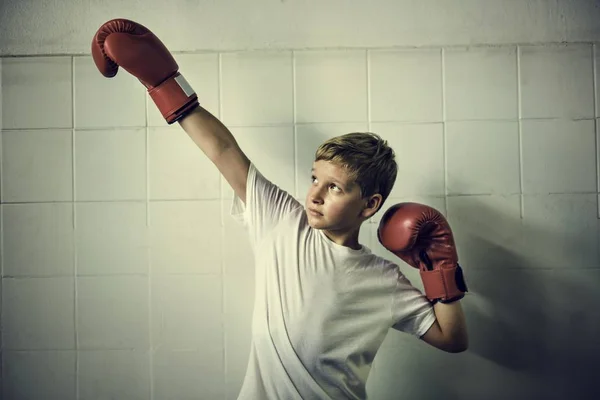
(520, 133)
(74, 227)
(444, 128)
(596, 129)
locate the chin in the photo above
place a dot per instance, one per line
(315, 224)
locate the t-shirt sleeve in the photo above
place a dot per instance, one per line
(412, 313)
(266, 204)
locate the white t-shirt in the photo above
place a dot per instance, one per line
(321, 310)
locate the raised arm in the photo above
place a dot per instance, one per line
(127, 44)
(219, 145)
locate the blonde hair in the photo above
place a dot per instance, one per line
(367, 158)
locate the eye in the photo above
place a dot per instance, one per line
(332, 186)
(337, 187)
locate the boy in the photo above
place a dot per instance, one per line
(324, 303)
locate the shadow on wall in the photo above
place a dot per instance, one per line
(534, 286)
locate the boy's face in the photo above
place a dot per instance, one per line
(336, 200)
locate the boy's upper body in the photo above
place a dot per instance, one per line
(322, 309)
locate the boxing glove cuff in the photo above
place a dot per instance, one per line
(445, 285)
(174, 98)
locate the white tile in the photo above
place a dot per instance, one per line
(114, 374)
(106, 102)
(482, 157)
(112, 312)
(308, 139)
(111, 238)
(558, 156)
(487, 231)
(187, 312)
(271, 149)
(569, 316)
(38, 239)
(37, 313)
(419, 150)
(185, 237)
(257, 88)
(481, 83)
(331, 86)
(110, 165)
(557, 81)
(560, 231)
(36, 93)
(39, 375)
(572, 293)
(406, 85)
(26, 160)
(385, 383)
(178, 169)
(507, 330)
(201, 71)
(188, 375)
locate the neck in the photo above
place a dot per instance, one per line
(348, 239)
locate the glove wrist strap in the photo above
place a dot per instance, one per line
(445, 285)
(174, 98)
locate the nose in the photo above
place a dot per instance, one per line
(315, 194)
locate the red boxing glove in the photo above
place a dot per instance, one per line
(124, 43)
(421, 237)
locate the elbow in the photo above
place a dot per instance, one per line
(458, 345)
(457, 348)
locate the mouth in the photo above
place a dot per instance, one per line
(313, 212)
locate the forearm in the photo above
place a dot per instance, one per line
(452, 323)
(209, 134)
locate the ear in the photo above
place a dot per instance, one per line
(372, 205)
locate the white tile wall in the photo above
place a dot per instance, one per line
(278, 142)
(26, 159)
(557, 81)
(123, 275)
(482, 157)
(113, 374)
(559, 156)
(189, 374)
(406, 85)
(111, 238)
(419, 150)
(53, 371)
(37, 313)
(481, 83)
(37, 93)
(188, 176)
(330, 86)
(38, 240)
(113, 312)
(110, 165)
(99, 102)
(257, 88)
